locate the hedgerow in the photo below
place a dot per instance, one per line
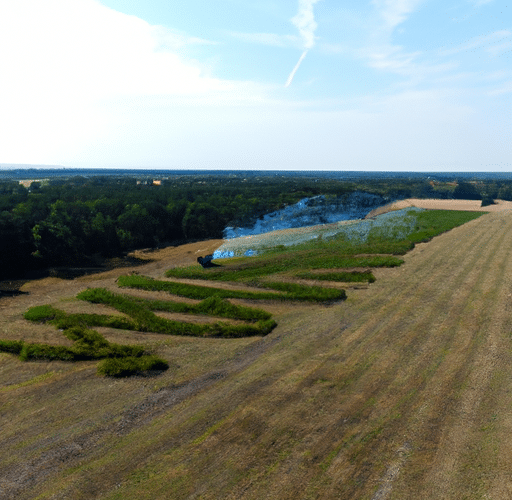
(300, 292)
(87, 344)
(144, 320)
(344, 276)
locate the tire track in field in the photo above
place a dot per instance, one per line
(18, 479)
(416, 361)
(466, 362)
(380, 378)
(486, 325)
(403, 313)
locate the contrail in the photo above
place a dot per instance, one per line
(294, 70)
(304, 21)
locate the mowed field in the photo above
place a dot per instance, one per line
(403, 391)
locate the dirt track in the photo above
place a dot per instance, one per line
(404, 391)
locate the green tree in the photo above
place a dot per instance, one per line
(466, 191)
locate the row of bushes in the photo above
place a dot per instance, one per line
(144, 320)
(118, 360)
(125, 360)
(212, 306)
(288, 291)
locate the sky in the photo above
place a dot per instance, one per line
(389, 85)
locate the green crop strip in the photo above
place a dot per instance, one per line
(118, 360)
(144, 320)
(126, 360)
(289, 291)
(344, 276)
(377, 249)
(213, 306)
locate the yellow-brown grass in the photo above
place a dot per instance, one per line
(402, 391)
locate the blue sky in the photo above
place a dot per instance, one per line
(411, 85)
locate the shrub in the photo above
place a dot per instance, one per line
(310, 293)
(289, 291)
(41, 313)
(344, 276)
(12, 346)
(47, 352)
(127, 366)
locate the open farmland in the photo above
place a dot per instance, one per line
(402, 391)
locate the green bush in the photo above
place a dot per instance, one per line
(41, 314)
(344, 276)
(310, 293)
(12, 346)
(487, 200)
(46, 352)
(289, 291)
(128, 366)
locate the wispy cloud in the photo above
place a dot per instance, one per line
(294, 70)
(488, 42)
(395, 12)
(270, 39)
(174, 40)
(305, 22)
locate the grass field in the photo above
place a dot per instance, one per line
(401, 391)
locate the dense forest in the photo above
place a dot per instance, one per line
(78, 220)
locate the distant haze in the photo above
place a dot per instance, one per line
(387, 85)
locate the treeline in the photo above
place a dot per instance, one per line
(70, 221)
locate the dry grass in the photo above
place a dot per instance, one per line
(403, 391)
(436, 204)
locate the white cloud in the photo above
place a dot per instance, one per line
(63, 60)
(80, 47)
(394, 12)
(304, 21)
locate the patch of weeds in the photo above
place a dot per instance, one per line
(11, 346)
(211, 306)
(309, 293)
(326, 463)
(41, 313)
(430, 223)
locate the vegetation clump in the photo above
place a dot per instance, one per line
(297, 292)
(337, 256)
(145, 320)
(125, 367)
(364, 245)
(87, 344)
